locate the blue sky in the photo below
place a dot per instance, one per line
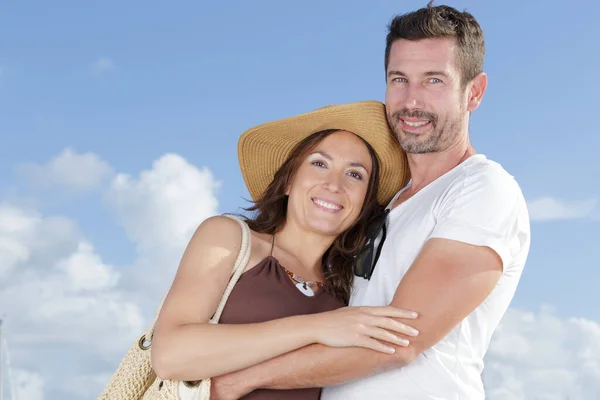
(133, 81)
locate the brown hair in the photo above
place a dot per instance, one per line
(272, 210)
(442, 22)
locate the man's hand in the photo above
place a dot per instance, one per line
(446, 282)
(228, 387)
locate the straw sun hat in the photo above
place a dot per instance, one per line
(264, 148)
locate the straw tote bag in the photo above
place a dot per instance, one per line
(135, 379)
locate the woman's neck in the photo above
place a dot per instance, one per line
(306, 247)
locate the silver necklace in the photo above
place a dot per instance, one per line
(306, 287)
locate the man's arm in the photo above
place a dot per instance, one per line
(446, 282)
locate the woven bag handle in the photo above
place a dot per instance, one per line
(238, 268)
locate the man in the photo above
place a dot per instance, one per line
(457, 236)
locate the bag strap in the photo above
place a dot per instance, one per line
(238, 268)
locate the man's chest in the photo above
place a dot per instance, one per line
(409, 227)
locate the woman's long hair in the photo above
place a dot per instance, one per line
(271, 211)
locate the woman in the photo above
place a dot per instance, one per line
(316, 181)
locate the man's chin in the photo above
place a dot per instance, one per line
(416, 148)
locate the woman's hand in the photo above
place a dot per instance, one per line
(363, 326)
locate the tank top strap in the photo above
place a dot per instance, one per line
(272, 245)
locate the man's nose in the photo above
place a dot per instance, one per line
(412, 98)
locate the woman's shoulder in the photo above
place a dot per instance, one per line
(219, 231)
(222, 235)
(221, 223)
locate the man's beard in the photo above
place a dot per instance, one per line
(437, 140)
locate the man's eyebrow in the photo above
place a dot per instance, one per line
(395, 73)
(428, 73)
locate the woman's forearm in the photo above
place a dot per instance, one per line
(197, 351)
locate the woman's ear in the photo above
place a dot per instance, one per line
(288, 187)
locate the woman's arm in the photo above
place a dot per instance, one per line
(186, 347)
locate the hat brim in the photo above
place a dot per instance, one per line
(264, 148)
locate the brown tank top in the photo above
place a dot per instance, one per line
(263, 293)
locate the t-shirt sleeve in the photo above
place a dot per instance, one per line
(483, 209)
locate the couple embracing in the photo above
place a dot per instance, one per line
(382, 251)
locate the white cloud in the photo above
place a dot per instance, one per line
(85, 270)
(543, 356)
(70, 315)
(28, 385)
(53, 309)
(160, 210)
(548, 208)
(60, 301)
(68, 170)
(165, 204)
(16, 229)
(103, 65)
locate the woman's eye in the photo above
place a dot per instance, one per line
(319, 164)
(356, 175)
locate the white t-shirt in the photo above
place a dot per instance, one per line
(479, 203)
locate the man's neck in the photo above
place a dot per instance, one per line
(426, 168)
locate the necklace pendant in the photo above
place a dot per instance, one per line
(305, 289)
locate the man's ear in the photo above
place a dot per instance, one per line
(476, 89)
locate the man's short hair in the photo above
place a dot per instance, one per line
(442, 22)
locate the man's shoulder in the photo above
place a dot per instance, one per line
(484, 202)
(483, 173)
(480, 184)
